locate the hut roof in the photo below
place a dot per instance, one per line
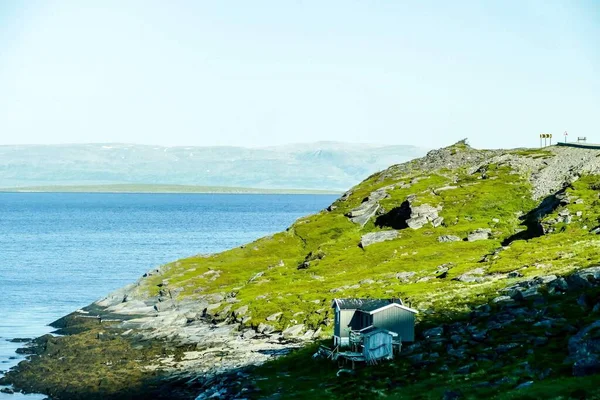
(372, 330)
(370, 306)
(367, 305)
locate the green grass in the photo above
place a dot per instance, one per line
(534, 153)
(494, 201)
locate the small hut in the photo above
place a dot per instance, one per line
(354, 315)
(377, 344)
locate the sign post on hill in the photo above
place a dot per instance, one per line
(566, 134)
(545, 136)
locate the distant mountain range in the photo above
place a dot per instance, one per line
(321, 165)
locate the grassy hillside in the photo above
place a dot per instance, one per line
(472, 190)
(486, 245)
(330, 241)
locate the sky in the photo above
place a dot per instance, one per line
(261, 73)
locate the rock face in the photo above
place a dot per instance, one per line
(368, 208)
(423, 214)
(377, 237)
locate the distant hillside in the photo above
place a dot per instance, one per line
(146, 188)
(323, 165)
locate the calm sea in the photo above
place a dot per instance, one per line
(62, 251)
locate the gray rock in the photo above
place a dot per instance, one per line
(465, 369)
(363, 213)
(274, 317)
(479, 234)
(584, 350)
(437, 222)
(514, 274)
(504, 348)
(215, 297)
(467, 277)
(416, 222)
(368, 208)
(265, 328)
(164, 305)
(293, 331)
(377, 237)
(584, 278)
(502, 300)
(524, 385)
(243, 310)
(582, 301)
(530, 293)
(367, 282)
(405, 276)
(559, 284)
(479, 336)
(433, 332)
(448, 238)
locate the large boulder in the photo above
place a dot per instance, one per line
(423, 214)
(293, 331)
(377, 237)
(368, 208)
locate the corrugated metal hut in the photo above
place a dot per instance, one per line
(377, 344)
(358, 314)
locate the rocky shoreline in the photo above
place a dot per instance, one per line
(138, 348)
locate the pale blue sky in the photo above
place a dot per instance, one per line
(259, 73)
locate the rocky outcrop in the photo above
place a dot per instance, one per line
(584, 350)
(368, 208)
(423, 214)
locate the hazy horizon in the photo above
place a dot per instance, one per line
(269, 73)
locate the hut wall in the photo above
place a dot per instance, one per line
(397, 320)
(377, 345)
(343, 318)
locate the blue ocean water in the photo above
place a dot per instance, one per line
(62, 251)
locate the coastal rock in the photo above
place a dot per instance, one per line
(265, 328)
(293, 331)
(116, 297)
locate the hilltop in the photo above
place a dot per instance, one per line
(321, 165)
(497, 250)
